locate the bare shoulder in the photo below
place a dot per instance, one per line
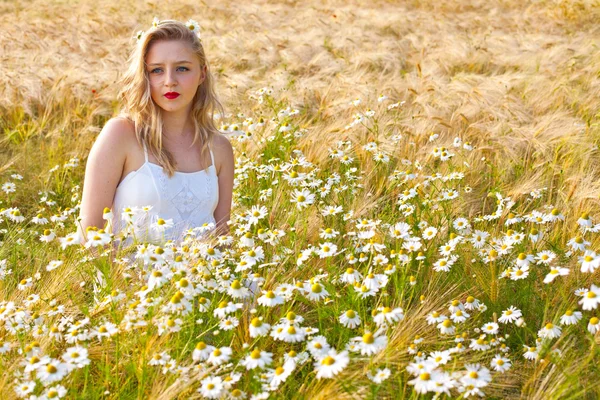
(221, 143)
(222, 148)
(223, 152)
(121, 129)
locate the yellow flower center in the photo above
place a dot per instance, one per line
(255, 354)
(328, 361)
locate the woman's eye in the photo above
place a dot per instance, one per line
(157, 69)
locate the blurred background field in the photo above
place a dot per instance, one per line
(519, 80)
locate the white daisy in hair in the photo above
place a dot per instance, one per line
(194, 27)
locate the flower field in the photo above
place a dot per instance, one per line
(415, 210)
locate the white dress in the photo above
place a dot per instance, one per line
(188, 199)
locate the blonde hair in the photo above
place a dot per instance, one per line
(137, 104)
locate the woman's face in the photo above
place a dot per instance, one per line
(173, 69)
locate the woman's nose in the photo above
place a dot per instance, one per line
(170, 78)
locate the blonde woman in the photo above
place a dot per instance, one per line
(161, 164)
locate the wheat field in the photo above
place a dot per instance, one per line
(415, 208)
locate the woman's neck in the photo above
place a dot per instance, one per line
(177, 126)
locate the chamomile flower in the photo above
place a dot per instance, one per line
(511, 314)
(315, 291)
(331, 364)
(500, 363)
(545, 257)
(554, 272)
(388, 315)
(257, 359)
(429, 233)
(52, 265)
(531, 353)
(550, 331)
(193, 26)
(350, 319)
(590, 261)
(571, 317)
(25, 388)
(379, 375)
(476, 375)
(446, 327)
(270, 299)
(202, 351)
(238, 291)
(76, 357)
(326, 249)
(211, 387)
(220, 356)
(370, 344)
(303, 198)
(519, 273)
(258, 328)
(490, 328)
(578, 243)
(47, 236)
(590, 298)
(51, 372)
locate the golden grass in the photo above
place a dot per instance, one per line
(519, 80)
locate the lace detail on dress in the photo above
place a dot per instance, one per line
(185, 201)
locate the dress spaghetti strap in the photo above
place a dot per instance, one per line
(212, 157)
(145, 151)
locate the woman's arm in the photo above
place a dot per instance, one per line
(225, 165)
(102, 173)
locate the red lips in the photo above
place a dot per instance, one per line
(171, 95)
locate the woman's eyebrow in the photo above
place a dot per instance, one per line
(178, 62)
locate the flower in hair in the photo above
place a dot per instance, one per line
(139, 35)
(155, 22)
(193, 26)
